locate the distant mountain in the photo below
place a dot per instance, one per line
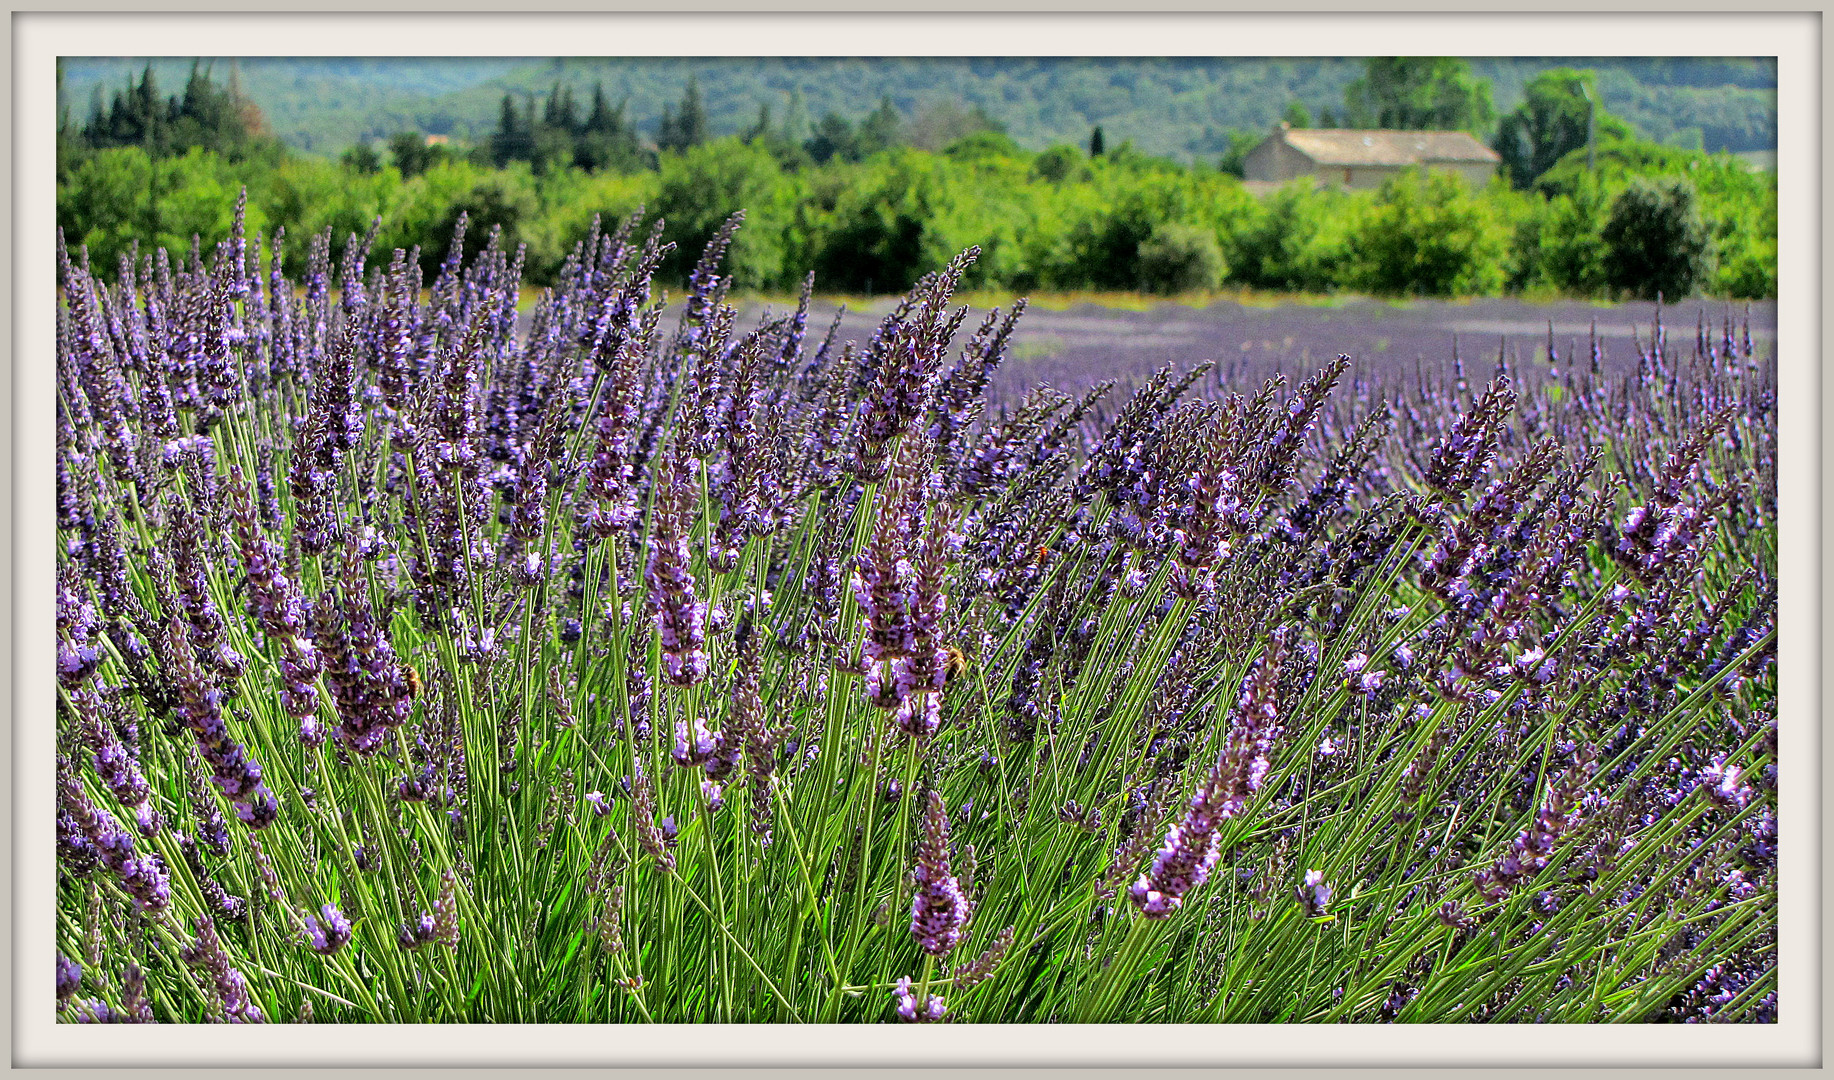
(1180, 107)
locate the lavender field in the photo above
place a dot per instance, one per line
(1072, 346)
(421, 661)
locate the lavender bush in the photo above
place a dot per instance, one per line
(418, 664)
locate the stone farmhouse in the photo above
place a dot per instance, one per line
(1363, 159)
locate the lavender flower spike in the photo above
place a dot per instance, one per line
(908, 1012)
(1315, 894)
(227, 985)
(69, 977)
(1193, 845)
(681, 618)
(328, 931)
(939, 911)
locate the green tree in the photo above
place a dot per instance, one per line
(795, 118)
(833, 139)
(1104, 246)
(1558, 114)
(1059, 163)
(206, 116)
(881, 128)
(112, 200)
(411, 154)
(791, 155)
(1655, 240)
(1293, 240)
(362, 158)
(1179, 258)
(1560, 245)
(1419, 93)
(1428, 234)
(983, 144)
(703, 185)
(1617, 162)
(123, 195)
(884, 232)
(140, 118)
(606, 141)
(308, 196)
(1097, 142)
(560, 112)
(514, 139)
(686, 126)
(761, 127)
(1297, 115)
(504, 200)
(1235, 159)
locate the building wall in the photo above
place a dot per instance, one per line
(1475, 173)
(1275, 161)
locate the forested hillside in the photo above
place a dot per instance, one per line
(1180, 107)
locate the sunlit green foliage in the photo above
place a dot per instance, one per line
(1428, 234)
(1053, 220)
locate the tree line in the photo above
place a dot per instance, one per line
(856, 202)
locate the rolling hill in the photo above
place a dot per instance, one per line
(1180, 107)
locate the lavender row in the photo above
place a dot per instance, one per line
(365, 588)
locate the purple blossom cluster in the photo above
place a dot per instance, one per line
(1534, 846)
(233, 772)
(226, 985)
(368, 683)
(910, 1011)
(278, 607)
(1193, 845)
(680, 616)
(899, 584)
(939, 911)
(328, 931)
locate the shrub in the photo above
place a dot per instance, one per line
(1060, 163)
(701, 186)
(1293, 240)
(1180, 259)
(1655, 241)
(881, 235)
(1427, 234)
(122, 194)
(1558, 245)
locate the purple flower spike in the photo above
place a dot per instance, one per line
(681, 618)
(1192, 846)
(143, 877)
(1315, 894)
(227, 984)
(328, 931)
(69, 976)
(932, 1011)
(939, 911)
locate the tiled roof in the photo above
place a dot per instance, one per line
(1338, 146)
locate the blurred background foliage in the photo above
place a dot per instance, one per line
(871, 192)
